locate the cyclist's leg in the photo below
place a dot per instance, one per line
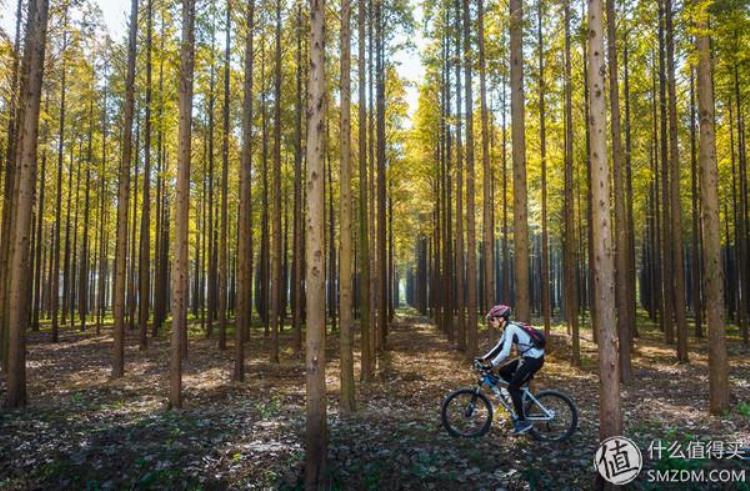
(527, 368)
(507, 371)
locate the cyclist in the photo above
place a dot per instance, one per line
(520, 370)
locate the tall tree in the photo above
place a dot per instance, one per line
(546, 308)
(488, 221)
(460, 297)
(675, 202)
(610, 415)
(368, 351)
(245, 240)
(32, 73)
(471, 253)
(315, 356)
(276, 205)
(144, 269)
(123, 196)
(298, 246)
(182, 204)
(222, 299)
(569, 242)
(382, 275)
(718, 367)
(518, 128)
(621, 225)
(345, 257)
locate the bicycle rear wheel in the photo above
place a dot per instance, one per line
(555, 420)
(467, 413)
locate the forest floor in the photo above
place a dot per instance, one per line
(83, 430)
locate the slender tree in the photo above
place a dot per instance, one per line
(488, 223)
(718, 368)
(471, 259)
(675, 202)
(275, 280)
(569, 242)
(368, 351)
(345, 257)
(144, 269)
(518, 125)
(32, 73)
(180, 279)
(315, 358)
(610, 416)
(245, 241)
(123, 196)
(621, 228)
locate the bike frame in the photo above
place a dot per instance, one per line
(493, 382)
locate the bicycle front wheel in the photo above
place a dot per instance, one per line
(554, 417)
(467, 413)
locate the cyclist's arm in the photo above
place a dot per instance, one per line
(507, 342)
(494, 351)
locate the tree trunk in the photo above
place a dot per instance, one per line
(621, 219)
(144, 270)
(368, 351)
(382, 295)
(546, 308)
(121, 236)
(569, 242)
(298, 246)
(718, 368)
(25, 177)
(488, 223)
(696, 262)
(345, 257)
(182, 205)
(471, 252)
(610, 416)
(245, 239)
(222, 298)
(518, 128)
(675, 201)
(275, 282)
(460, 286)
(316, 437)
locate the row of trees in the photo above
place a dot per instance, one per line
(625, 173)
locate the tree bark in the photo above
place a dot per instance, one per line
(245, 240)
(144, 270)
(621, 220)
(610, 416)
(718, 367)
(345, 257)
(569, 242)
(488, 223)
(546, 308)
(316, 435)
(471, 254)
(25, 177)
(121, 236)
(180, 279)
(518, 128)
(368, 352)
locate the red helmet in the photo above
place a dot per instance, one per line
(499, 311)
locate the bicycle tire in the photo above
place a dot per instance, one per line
(476, 396)
(546, 394)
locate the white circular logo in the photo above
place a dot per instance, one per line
(618, 460)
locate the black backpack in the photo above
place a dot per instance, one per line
(538, 339)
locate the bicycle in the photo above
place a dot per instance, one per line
(553, 415)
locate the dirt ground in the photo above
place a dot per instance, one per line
(83, 430)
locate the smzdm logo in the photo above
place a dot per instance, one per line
(618, 460)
